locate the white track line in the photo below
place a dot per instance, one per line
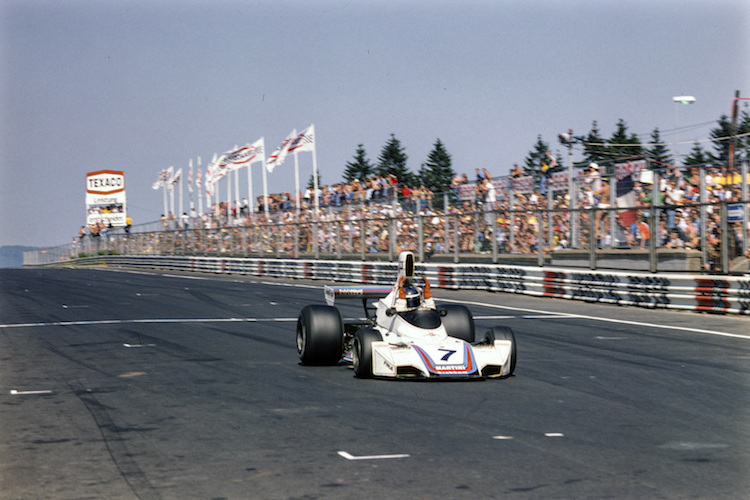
(149, 321)
(598, 318)
(371, 457)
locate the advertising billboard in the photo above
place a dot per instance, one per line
(105, 198)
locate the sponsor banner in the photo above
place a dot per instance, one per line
(105, 198)
(633, 168)
(559, 181)
(105, 182)
(523, 184)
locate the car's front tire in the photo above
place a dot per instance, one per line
(320, 335)
(362, 351)
(503, 333)
(458, 322)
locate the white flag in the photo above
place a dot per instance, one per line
(164, 176)
(238, 157)
(190, 176)
(258, 146)
(210, 178)
(278, 156)
(176, 178)
(305, 141)
(217, 169)
(173, 179)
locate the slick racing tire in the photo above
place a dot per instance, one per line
(362, 351)
(458, 322)
(320, 335)
(503, 333)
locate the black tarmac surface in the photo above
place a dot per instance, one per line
(118, 384)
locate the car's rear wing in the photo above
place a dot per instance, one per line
(355, 292)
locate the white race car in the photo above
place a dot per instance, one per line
(404, 335)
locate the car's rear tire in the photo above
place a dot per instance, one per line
(503, 333)
(320, 335)
(458, 322)
(362, 351)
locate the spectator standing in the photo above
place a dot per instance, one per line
(490, 197)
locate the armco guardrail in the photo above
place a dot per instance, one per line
(720, 294)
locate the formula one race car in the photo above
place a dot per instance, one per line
(403, 334)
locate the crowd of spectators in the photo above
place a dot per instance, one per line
(356, 216)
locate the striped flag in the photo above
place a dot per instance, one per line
(305, 141)
(278, 156)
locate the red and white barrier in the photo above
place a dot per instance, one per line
(721, 294)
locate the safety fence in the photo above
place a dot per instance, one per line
(539, 235)
(721, 295)
(631, 208)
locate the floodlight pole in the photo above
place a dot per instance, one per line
(685, 100)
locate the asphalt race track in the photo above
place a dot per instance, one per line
(117, 384)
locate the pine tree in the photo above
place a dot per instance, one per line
(536, 158)
(743, 143)
(436, 173)
(311, 182)
(658, 151)
(721, 144)
(392, 160)
(360, 168)
(697, 156)
(620, 143)
(594, 148)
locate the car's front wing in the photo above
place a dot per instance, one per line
(450, 360)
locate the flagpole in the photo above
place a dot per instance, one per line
(200, 187)
(190, 183)
(164, 190)
(171, 195)
(236, 191)
(265, 181)
(296, 183)
(179, 215)
(315, 173)
(229, 196)
(250, 189)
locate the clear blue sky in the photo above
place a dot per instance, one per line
(139, 85)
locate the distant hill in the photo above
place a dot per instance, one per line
(12, 255)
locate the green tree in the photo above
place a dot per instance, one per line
(721, 138)
(697, 156)
(437, 172)
(658, 151)
(392, 160)
(536, 157)
(622, 145)
(360, 168)
(311, 182)
(594, 147)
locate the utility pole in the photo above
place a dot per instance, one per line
(733, 141)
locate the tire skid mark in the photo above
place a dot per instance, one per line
(116, 445)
